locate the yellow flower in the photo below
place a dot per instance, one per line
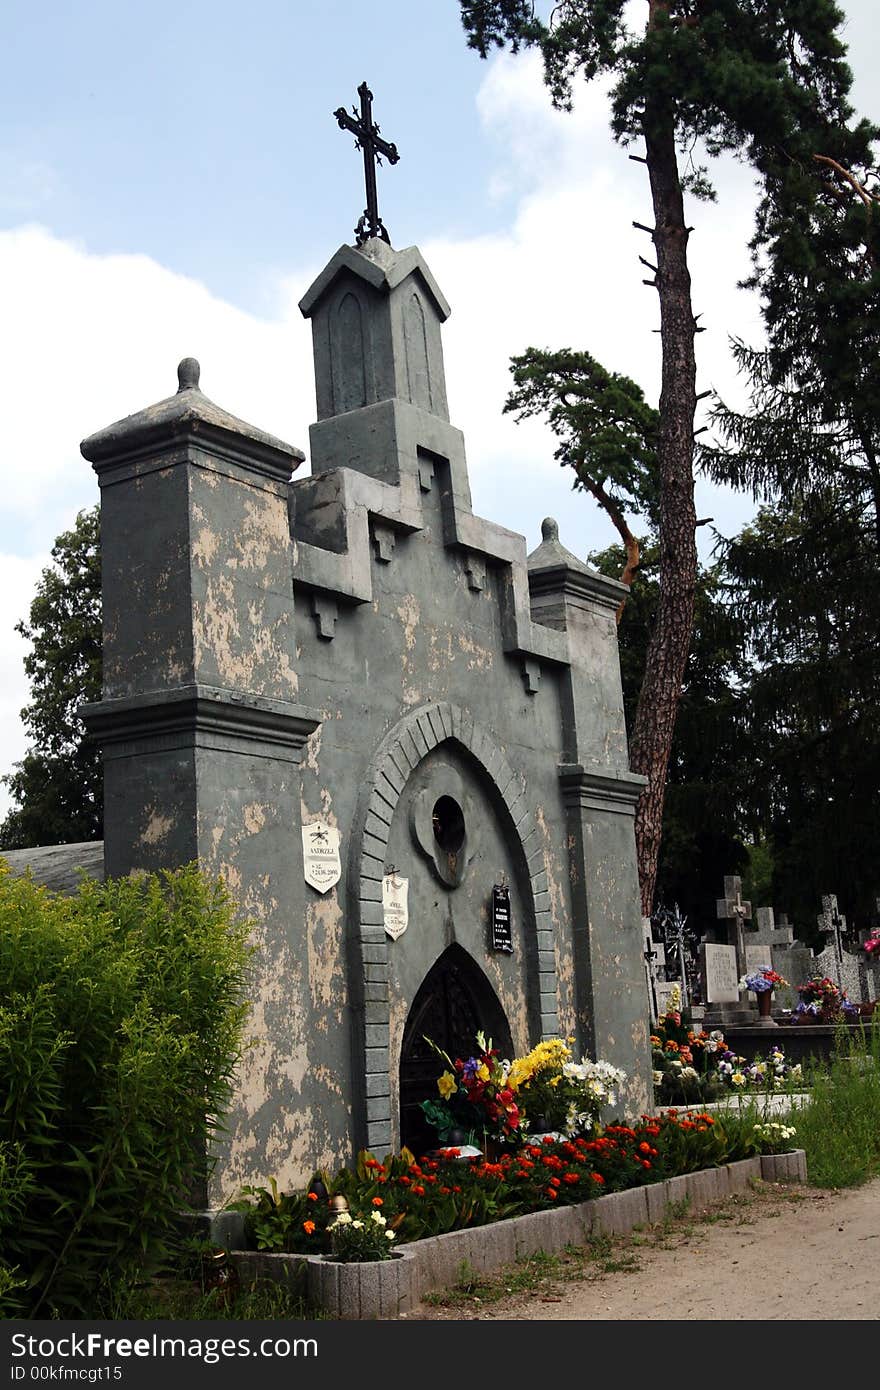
(447, 1085)
(483, 1072)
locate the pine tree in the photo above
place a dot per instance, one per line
(766, 81)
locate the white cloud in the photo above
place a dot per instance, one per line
(86, 340)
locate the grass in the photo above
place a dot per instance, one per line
(840, 1126)
(184, 1300)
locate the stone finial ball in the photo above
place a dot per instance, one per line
(188, 374)
(550, 529)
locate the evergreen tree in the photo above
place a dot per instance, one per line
(58, 784)
(766, 81)
(805, 582)
(606, 430)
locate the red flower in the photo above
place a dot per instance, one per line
(571, 1178)
(554, 1182)
(551, 1192)
(597, 1177)
(418, 1190)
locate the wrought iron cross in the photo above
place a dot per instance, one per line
(367, 138)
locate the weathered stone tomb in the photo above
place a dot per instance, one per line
(400, 739)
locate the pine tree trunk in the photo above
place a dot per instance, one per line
(654, 724)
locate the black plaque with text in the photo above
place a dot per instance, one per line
(502, 936)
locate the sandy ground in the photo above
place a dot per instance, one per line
(789, 1253)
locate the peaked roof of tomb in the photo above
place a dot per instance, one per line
(380, 266)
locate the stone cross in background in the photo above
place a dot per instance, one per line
(833, 925)
(770, 937)
(735, 912)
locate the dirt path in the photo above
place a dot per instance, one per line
(777, 1254)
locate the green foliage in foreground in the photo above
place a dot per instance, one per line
(121, 1014)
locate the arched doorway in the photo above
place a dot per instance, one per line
(455, 1001)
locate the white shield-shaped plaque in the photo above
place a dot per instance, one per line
(394, 904)
(321, 862)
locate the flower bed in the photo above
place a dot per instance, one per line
(387, 1288)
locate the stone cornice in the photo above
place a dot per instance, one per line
(203, 715)
(601, 790)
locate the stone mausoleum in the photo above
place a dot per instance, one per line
(397, 736)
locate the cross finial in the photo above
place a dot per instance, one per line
(367, 138)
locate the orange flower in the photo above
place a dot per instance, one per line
(377, 1202)
(309, 1227)
(312, 1196)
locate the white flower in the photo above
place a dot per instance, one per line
(389, 1235)
(357, 1225)
(378, 1218)
(343, 1219)
(689, 1071)
(658, 1077)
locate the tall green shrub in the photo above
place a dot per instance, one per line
(121, 1015)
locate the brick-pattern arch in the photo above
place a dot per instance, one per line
(404, 748)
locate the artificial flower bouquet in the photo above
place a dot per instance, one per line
(558, 1095)
(822, 1001)
(759, 981)
(546, 1091)
(474, 1097)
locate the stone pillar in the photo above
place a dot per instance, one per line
(199, 681)
(199, 723)
(599, 793)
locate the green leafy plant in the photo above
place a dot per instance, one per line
(120, 1028)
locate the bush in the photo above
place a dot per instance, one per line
(120, 1028)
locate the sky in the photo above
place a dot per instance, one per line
(172, 179)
